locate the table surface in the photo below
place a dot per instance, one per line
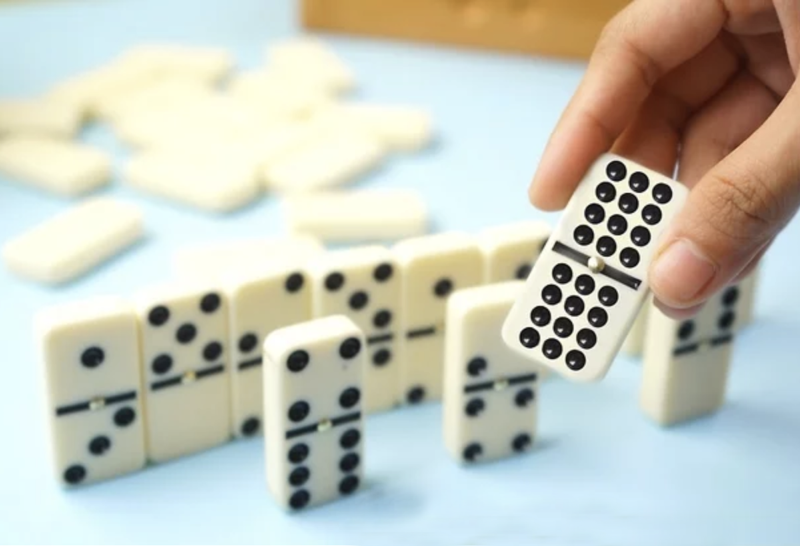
(600, 474)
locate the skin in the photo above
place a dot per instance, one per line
(709, 85)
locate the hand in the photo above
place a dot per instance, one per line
(712, 86)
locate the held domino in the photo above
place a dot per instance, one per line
(591, 279)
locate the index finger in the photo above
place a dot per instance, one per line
(638, 47)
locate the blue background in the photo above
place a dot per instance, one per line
(600, 473)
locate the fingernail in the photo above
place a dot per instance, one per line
(681, 273)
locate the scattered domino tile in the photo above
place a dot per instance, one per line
(38, 117)
(184, 334)
(61, 167)
(85, 92)
(312, 407)
(279, 94)
(434, 266)
(359, 215)
(685, 365)
(159, 96)
(591, 280)
(262, 300)
(309, 60)
(72, 243)
(490, 394)
(217, 260)
(364, 284)
(398, 127)
(204, 64)
(334, 159)
(90, 352)
(209, 183)
(510, 250)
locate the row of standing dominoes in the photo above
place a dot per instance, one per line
(195, 341)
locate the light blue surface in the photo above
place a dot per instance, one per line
(600, 474)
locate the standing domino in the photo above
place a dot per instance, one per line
(261, 301)
(490, 392)
(686, 363)
(591, 280)
(434, 266)
(510, 250)
(364, 284)
(314, 422)
(90, 351)
(185, 369)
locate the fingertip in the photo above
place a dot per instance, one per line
(544, 198)
(677, 313)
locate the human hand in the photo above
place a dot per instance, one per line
(712, 86)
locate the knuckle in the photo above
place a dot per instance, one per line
(741, 205)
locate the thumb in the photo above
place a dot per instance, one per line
(732, 213)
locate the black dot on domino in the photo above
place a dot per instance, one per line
(523, 398)
(334, 281)
(381, 357)
(584, 284)
(628, 203)
(212, 351)
(726, 321)
(349, 462)
(299, 499)
(299, 476)
(551, 294)
(608, 296)
(730, 296)
(605, 192)
(248, 342)
(99, 445)
(298, 411)
(350, 439)
(529, 338)
(75, 474)
(251, 426)
(415, 395)
(474, 407)
(476, 366)
(562, 273)
(158, 315)
(616, 171)
(349, 397)
(662, 194)
(186, 333)
(552, 348)
(629, 257)
(472, 452)
(349, 348)
(563, 327)
(540, 315)
(124, 417)
(521, 442)
(583, 235)
(651, 215)
(358, 301)
(92, 357)
(523, 272)
(574, 306)
(594, 214)
(586, 338)
(640, 236)
(383, 272)
(639, 182)
(210, 303)
(297, 361)
(606, 246)
(686, 330)
(348, 485)
(382, 318)
(597, 317)
(294, 283)
(298, 453)
(617, 225)
(575, 360)
(161, 364)
(442, 288)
